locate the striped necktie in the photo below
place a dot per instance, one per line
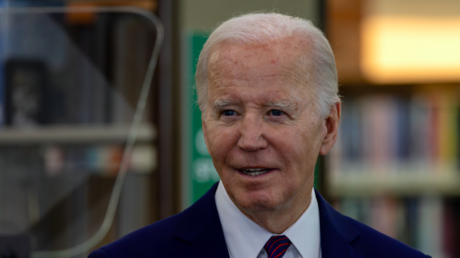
(276, 246)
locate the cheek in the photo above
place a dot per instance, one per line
(221, 140)
(298, 149)
(289, 143)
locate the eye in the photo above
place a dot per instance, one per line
(228, 113)
(275, 112)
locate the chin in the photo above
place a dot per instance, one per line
(257, 204)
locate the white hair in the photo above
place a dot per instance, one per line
(266, 27)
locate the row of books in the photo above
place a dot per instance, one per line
(427, 223)
(387, 133)
(57, 72)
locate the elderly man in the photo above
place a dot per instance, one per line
(267, 87)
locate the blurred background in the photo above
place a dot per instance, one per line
(74, 130)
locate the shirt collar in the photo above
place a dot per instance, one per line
(245, 238)
(305, 232)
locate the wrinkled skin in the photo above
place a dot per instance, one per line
(261, 114)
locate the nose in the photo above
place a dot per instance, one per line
(252, 134)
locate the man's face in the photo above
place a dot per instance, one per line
(260, 126)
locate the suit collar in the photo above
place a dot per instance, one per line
(200, 228)
(337, 220)
(195, 219)
(337, 232)
(333, 244)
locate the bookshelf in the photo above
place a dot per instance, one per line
(406, 184)
(395, 165)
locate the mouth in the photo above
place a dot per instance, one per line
(254, 171)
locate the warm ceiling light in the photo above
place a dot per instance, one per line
(399, 49)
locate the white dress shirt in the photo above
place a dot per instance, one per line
(246, 239)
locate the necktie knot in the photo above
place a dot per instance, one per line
(276, 246)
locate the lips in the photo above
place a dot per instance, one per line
(254, 171)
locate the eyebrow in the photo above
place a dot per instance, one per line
(282, 104)
(221, 103)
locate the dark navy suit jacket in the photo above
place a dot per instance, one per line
(197, 232)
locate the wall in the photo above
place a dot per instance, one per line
(206, 14)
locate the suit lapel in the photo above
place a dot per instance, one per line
(336, 232)
(333, 245)
(211, 243)
(201, 230)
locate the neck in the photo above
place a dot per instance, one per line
(279, 220)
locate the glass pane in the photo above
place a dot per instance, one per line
(73, 88)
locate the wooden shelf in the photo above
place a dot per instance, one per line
(90, 17)
(73, 134)
(408, 184)
(150, 5)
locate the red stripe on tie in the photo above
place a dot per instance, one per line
(273, 238)
(268, 242)
(269, 250)
(279, 247)
(278, 241)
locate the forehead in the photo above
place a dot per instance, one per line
(268, 57)
(277, 66)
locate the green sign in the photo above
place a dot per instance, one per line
(203, 174)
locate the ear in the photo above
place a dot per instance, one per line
(332, 128)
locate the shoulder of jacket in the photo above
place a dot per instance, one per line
(146, 241)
